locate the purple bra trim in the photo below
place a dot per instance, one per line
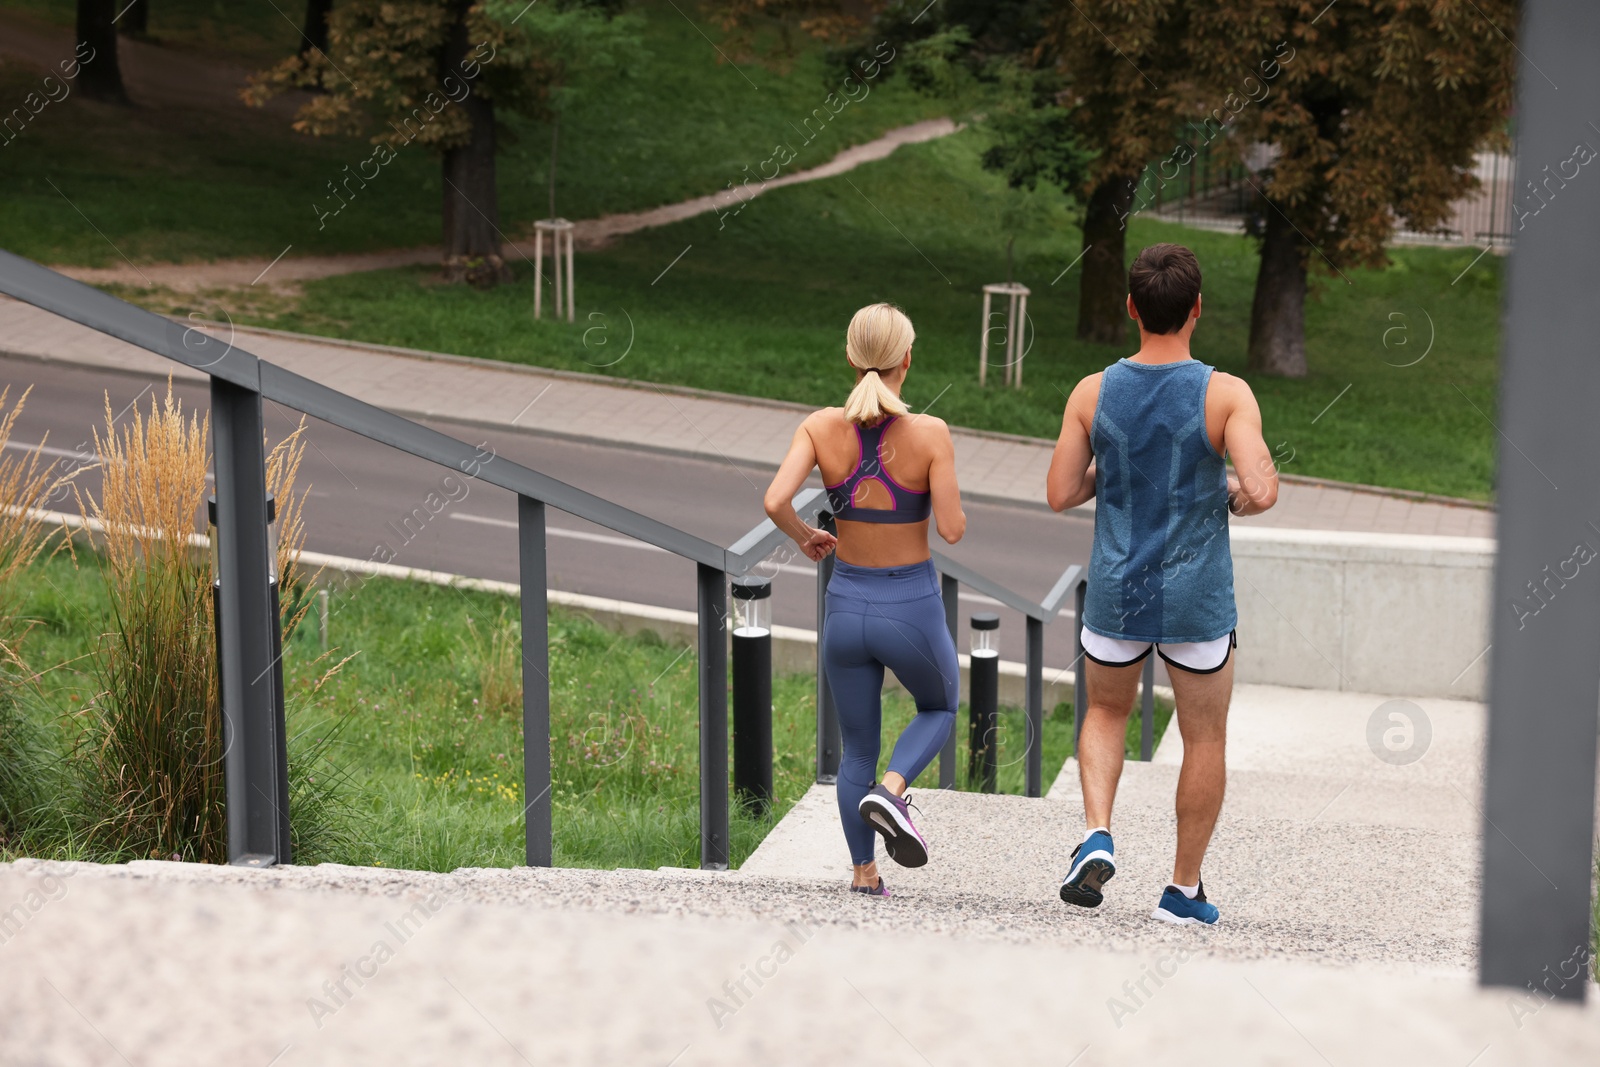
(909, 505)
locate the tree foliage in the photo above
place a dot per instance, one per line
(1377, 118)
(446, 74)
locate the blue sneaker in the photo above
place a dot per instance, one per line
(1180, 910)
(1092, 868)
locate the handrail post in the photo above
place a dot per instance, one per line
(829, 744)
(1080, 684)
(533, 577)
(1147, 710)
(1034, 705)
(951, 590)
(254, 762)
(713, 605)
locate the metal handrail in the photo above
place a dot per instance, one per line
(255, 760)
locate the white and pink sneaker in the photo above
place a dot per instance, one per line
(891, 817)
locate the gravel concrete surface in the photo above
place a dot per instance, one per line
(176, 964)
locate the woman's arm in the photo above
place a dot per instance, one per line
(948, 518)
(786, 483)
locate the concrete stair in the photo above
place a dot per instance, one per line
(1323, 852)
(1348, 895)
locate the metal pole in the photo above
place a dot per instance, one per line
(983, 704)
(951, 590)
(828, 742)
(533, 576)
(256, 771)
(713, 601)
(1147, 710)
(1034, 705)
(1080, 685)
(752, 693)
(1539, 782)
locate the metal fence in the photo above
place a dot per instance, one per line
(1212, 193)
(255, 761)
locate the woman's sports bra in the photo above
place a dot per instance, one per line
(909, 506)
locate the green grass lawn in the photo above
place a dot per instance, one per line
(425, 759)
(219, 180)
(758, 304)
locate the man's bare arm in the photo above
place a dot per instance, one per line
(1070, 481)
(1253, 487)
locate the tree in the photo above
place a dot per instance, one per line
(444, 74)
(1125, 80)
(100, 76)
(1373, 117)
(314, 37)
(1080, 94)
(135, 20)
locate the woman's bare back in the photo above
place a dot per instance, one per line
(913, 447)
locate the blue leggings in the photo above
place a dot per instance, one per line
(886, 617)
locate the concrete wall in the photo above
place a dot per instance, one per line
(1398, 614)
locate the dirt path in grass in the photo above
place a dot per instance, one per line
(154, 77)
(590, 233)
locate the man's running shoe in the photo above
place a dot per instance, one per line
(1092, 868)
(889, 815)
(1179, 909)
(879, 890)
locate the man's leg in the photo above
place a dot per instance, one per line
(1105, 731)
(1202, 711)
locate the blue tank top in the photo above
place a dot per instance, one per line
(1160, 569)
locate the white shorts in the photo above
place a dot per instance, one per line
(1196, 657)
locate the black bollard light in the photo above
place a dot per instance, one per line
(983, 726)
(752, 691)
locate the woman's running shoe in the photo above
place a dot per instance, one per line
(879, 890)
(889, 815)
(1092, 867)
(1179, 909)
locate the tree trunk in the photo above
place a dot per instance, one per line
(315, 34)
(135, 21)
(1278, 314)
(471, 207)
(99, 76)
(1103, 292)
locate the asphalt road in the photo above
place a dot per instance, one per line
(362, 495)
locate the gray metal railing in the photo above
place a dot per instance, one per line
(255, 765)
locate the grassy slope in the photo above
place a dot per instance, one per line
(758, 305)
(436, 776)
(220, 180)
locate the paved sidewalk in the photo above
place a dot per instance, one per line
(742, 430)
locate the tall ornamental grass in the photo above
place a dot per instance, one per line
(153, 736)
(24, 755)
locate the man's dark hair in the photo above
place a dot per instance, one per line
(1164, 282)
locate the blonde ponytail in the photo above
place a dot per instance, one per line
(876, 342)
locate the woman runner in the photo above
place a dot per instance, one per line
(885, 473)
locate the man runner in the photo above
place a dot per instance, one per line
(1146, 438)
